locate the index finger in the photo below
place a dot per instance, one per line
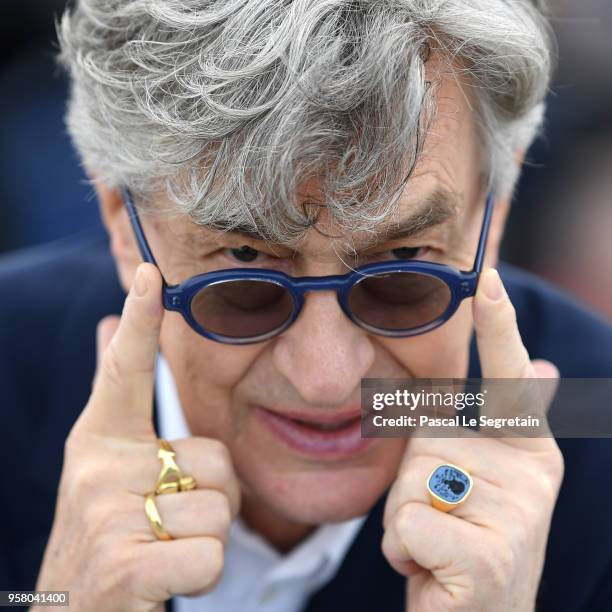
(122, 398)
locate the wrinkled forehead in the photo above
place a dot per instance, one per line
(430, 207)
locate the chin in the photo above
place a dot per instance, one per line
(316, 494)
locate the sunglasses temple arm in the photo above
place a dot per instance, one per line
(484, 234)
(141, 239)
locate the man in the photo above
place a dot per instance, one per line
(254, 154)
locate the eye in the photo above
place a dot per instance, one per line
(245, 254)
(406, 252)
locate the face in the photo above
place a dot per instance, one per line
(288, 408)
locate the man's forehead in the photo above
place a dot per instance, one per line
(416, 212)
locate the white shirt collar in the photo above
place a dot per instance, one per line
(256, 576)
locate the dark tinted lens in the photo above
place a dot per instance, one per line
(400, 300)
(242, 309)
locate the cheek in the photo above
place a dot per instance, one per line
(203, 360)
(206, 374)
(442, 353)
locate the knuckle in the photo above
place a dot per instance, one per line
(73, 444)
(137, 316)
(234, 497)
(128, 571)
(215, 560)
(79, 442)
(105, 575)
(524, 525)
(389, 546)
(212, 553)
(550, 474)
(213, 455)
(114, 517)
(406, 478)
(222, 461)
(84, 481)
(390, 507)
(556, 465)
(496, 566)
(406, 517)
(103, 519)
(222, 452)
(222, 511)
(526, 368)
(418, 467)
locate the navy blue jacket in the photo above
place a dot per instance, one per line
(50, 301)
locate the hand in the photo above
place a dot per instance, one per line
(487, 554)
(102, 548)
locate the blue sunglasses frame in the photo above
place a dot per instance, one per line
(178, 298)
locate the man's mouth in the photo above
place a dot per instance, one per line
(327, 436)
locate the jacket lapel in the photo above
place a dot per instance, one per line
(365, 581)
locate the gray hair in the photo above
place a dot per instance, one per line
(229, 106)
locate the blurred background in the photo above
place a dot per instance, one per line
(561, 224)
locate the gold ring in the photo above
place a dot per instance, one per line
(171, 479)
(449, 486)
(154, 518)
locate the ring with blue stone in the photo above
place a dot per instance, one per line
(449, 486)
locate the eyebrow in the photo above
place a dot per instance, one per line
(247, 231)
(431, 210)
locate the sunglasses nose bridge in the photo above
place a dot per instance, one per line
(339, 284)
(307, 284)
(313, 284)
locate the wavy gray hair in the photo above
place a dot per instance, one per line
(229, 106)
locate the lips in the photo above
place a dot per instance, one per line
(326, 436)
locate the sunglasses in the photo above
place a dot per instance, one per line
(395, 299)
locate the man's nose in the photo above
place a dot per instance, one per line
(324, 354)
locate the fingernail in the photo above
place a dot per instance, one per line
(140, 282)
(491, 285)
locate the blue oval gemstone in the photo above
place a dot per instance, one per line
(449, 483)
